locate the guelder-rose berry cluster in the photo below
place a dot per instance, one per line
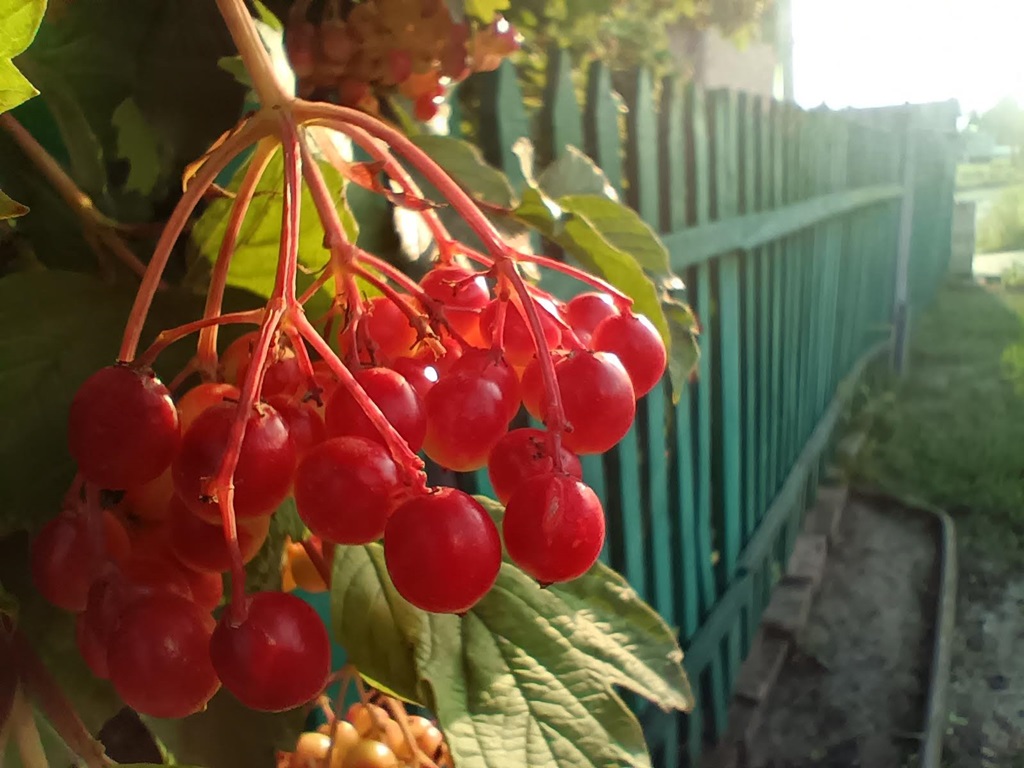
(177, 484)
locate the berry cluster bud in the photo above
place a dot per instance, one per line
(378, 47)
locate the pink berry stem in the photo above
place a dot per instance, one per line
(165, 338)
(554, 414)
(218, 159)
(48, 697)
(416, 320)
(396, 171)
(301, 353)
(318, 561)
(221, 487)
(623, 301)
(322, 279)
(207, 348)
(344, 118)
(399, 449)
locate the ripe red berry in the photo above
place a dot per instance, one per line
(159, 656)
(150, 501)
(201, 397)
(393, 395)
(517, 340)
(482, 363)
(585, 312)
(463, 294)
(421, 374)
(207, 588)
(266, 462)
(389, 327)
(345, 488)
(638, 345)
(521, 455)
(123, 428)
(278, 657)
(442, 551)
(597, 398)
(65, 561)
(554, 528)
(282, 376)
(91, 646)
(425, 107)
(152, 572)
(304, 422)
(201, 546)
(399, 65)
(466, 416)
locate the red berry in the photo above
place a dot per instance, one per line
(425, 107)
(91, 646)
(278, 657)
(116, 544)
(305, 425)
(266, 462)
(554, 528)
(344, 490)
(201, 546)
(207, 588)
(597, 398)
(352, 91)
(585, 311)
(462, 293)
(389, 327)
(159, 657)
(203, 396)
(442, 551)
(466, 416)
(65, 561)
(481, 363)
(123, 428)
(421, 375)
(399, 65)
(282, 377)
(150, 501)
(393, 395)
(235, 359)
(521, 455)
(638, 345)
(517, 339)
(154, 572)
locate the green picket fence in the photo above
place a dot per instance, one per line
(786, 227)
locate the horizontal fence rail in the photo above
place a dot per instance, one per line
(785, 226)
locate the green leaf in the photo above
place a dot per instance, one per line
(587, 243)
(59, 328)
(10, 209)
(525, 677)
(485, 9)
(684, 355)
(574, 173)
(623, 228)
(467, 166)
(254, 264)
(19, 22)
(137, 144)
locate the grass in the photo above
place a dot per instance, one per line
(998, 172)
(951, 430)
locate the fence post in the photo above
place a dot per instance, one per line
(901, 302)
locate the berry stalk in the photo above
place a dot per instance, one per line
(204, 177)
(408, 461)
(165, 338)
(207, 347)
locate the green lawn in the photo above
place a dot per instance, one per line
(952, 430)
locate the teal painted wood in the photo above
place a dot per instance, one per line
(503, 120)
(834, 303)
(672, 148)
(751, 444)
(778, 464)
(684, 510)
(762, 122)
(699, 188)
(601, 135)
(816, 243)
(729, 511)
(642, 152)
(560, 120)
(791, 282)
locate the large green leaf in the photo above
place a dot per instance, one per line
(525, 677)
(467, 166)
(254, 263)
(161, 54)
(60, 327)
(19, 22)
(621, 226)
(574, 173)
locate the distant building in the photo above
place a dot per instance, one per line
(762, 66)
(979, 146)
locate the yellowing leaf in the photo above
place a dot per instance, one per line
(19, 22)
(485, 9)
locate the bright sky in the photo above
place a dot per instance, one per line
(875, 52)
